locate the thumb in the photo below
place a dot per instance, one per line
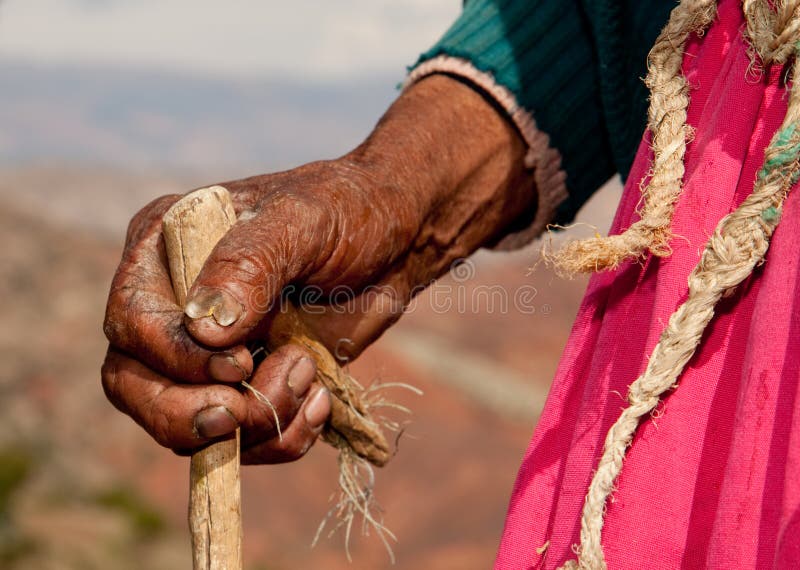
(242, 279)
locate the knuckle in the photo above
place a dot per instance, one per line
(190, 362)
(277, 451)
(148, 216)
(309, 213)
(113, 325)
(120, 311)
(241, 261)
(108, 379)
(126, 299)
(270, 417)
(297, 447)
(156, 420)
(288, 354)
(110, 328)
(143, 408)
(161, 427)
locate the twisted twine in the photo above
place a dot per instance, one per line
(669, 99)
(738, 244)
(772, 31)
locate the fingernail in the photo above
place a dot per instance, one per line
(224, 367)
(301, 376)
(215, 422)
(214, 303)
(318, 408)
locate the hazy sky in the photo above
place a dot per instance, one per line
(242, 37)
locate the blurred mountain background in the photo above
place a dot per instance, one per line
(139, 119)
(106, 104)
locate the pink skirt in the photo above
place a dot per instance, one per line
(712, 480)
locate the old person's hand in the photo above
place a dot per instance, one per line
(349, 241)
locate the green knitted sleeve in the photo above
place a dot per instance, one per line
(575, 66)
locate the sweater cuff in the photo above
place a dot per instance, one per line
(541, 157)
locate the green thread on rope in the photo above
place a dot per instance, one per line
(786, 134)
(770, 214)
(790, 150)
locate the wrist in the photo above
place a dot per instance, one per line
(447, 150)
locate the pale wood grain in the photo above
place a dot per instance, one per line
(192, 227)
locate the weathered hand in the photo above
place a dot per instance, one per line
(349, 241)
(287, 233)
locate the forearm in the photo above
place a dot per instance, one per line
(448, 150)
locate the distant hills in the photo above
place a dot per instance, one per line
(160, 120)
(88, 146)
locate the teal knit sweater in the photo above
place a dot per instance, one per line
(577, 66)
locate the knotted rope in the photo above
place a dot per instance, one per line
(669, 99)
(738, 244)
(772, 32)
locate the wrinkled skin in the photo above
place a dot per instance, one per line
(440, 176)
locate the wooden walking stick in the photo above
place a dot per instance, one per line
(192, 227)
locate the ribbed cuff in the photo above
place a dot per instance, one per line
(542, 53)
(541, 157)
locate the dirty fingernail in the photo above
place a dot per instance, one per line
(318, 408)
(220, 305)
(201, 304)
(215, 422)
(224, 367)
(301, 375)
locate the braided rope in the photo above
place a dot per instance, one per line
(772, 31)
(738, 244)
(669, 100)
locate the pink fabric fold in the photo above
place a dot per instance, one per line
(713, 479)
